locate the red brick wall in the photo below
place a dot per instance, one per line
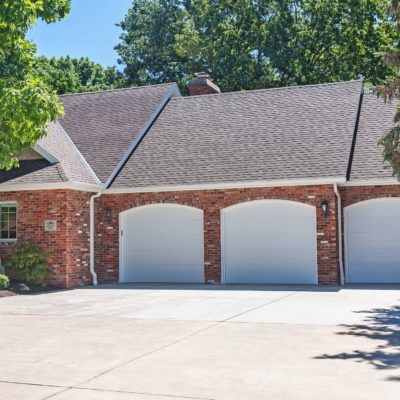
(212, 202)
(355, 194)
(69, 245)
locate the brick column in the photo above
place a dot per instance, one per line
(212, 245)
(327, 240)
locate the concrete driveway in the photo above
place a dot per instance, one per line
(132, 342)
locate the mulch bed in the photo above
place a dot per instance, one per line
(13, 290)
(7, 293)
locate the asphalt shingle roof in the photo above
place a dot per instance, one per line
(103, 124)
(376, 118)
(33, 171)
(271, 134)
(58, 144)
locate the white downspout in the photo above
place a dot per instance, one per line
(340, 234)
(92, 238)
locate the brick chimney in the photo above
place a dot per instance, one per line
(202, 85)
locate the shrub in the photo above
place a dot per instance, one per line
(4, 281)
(29, 264)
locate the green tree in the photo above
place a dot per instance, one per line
(147, 47)
(74, 75)
(246, 44)
(390, 91)
(26, 104)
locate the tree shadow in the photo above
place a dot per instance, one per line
(383, 325)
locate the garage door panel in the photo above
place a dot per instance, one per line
(159, 212)
(379, 208)
(274, 274)
(285, 209)
(373, 241)
(264, 258)
(272, 225)
(372, 273)
(165, 227)
(271, 241)
(377, 256)
(371, 224)
(163, 243)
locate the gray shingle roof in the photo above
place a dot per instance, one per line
(58, 144)
(103, 124)
(376, 118)
(271, 134)
(33, 171)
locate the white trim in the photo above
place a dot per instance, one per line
(46, 155)
(84, 187)
(222, 229)
(141, 134)
(371, 182)
(79, 154)
(227, 185)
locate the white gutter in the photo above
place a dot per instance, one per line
(340, 233)
(83, 187)
(92, 237)
(228, 185)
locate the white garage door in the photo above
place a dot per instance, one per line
(162, 243)
(372, 245)
(269, 241)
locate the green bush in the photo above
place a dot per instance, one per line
(4, 281)
(29, 264)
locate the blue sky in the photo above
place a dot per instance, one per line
(88, 31)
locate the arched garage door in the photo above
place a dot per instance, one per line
(269, 241)
(372, 241)
(162, 243)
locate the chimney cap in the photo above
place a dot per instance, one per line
(202, 84)
(202, 75)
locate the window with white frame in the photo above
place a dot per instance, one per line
(8, 221)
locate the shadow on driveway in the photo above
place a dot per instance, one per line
(382, 324)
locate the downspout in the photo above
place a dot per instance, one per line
(340, 234)
(92, 238)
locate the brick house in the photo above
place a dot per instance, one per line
(279, 185)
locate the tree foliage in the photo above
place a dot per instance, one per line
(74, 75)
(390, 91)
(247, 44)
(26, 104)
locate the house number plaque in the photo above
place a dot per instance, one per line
(50, 225)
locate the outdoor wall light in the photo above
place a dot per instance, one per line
(109, 215)
(325, 207)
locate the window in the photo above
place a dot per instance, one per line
(8, 221)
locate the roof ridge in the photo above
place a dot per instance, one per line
(115, 90)
(268, 89)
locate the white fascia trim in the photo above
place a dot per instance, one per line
(80, 155)
(46, 155)
(83, 187)
(142, 133)
(375, 182)
(229, 185)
